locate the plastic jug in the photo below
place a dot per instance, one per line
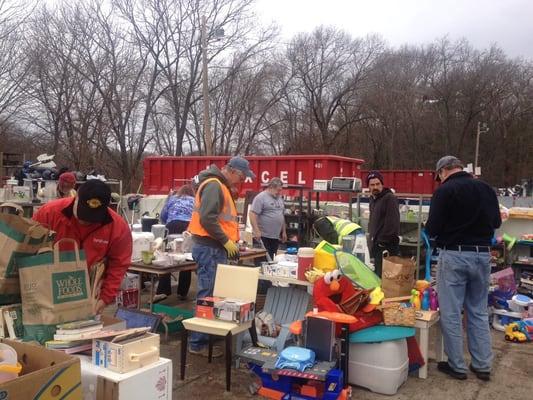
(306, 256)
(360, 247)
(9, 367)
(141, 242)
(159, 231)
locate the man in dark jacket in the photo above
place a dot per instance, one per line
(384, 224)
(463, 216)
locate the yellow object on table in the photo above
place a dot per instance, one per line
(324, 261)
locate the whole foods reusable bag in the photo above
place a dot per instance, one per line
(18, 236)
(398, 276)
(55, 289)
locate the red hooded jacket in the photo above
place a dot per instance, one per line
(110, 240)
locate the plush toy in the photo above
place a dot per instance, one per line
(336, 293)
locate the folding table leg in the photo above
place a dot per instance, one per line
(184, 346)
(152, 291)
(229, 357)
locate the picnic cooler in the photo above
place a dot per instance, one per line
(381, 367)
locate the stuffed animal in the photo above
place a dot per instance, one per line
(336, 293)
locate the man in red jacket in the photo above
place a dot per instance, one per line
(99, 231)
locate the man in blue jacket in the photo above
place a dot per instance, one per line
(463, 216)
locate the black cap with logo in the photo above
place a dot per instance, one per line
(94, 197)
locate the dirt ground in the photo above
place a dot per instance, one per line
(512, 374)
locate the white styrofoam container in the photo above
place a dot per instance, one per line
(381, 367)
(151, 382)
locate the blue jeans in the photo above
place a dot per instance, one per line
(207, 258)
(463, 282)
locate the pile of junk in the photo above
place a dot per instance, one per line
(44, 168)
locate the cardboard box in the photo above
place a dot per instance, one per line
(11, 321)
(205, 307)
(128, 298)
(151, 382)
(130, 281)
(46, 374)
(234, 310)
(127, 355)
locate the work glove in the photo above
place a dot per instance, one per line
(232, 249)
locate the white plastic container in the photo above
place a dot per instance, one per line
(381, 367)
(8, 363)
(142, 241)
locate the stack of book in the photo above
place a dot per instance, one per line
(75, 337)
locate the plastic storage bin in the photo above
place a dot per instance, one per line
(172, 312)
(381, 367)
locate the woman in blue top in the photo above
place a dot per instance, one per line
(176, 214)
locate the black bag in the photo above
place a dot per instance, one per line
(325, 229)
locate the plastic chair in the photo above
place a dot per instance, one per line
(286, 304)
(230, 281)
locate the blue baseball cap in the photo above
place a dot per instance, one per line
(242, 165)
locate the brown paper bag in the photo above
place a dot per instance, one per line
(55, 289)
(398, 275)
(18, 236)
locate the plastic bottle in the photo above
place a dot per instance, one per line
(415, 299)
(360, 246)
(425, 300)
(433, 300)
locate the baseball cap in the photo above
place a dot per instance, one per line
(67, 177)
(94, 197)
(242, 165)
(444, 162)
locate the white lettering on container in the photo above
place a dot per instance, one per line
(301, 180)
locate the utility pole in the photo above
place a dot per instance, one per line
(481, 128)
(205, 92)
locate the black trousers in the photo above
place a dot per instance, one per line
(184, 280)
(377, 254)
(271, 246)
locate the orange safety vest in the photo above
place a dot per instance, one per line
(227, 218)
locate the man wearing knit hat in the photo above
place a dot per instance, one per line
(384, 224)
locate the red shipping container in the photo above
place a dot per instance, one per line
(161, 172)
(407, 181)
(164, 172)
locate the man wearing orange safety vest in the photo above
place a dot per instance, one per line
(215, 231)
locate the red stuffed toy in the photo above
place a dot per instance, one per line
(336, 293)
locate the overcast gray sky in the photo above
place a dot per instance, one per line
(508, 23)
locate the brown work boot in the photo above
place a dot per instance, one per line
(217, 351)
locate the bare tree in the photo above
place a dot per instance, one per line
(169, 31)
(331, 67)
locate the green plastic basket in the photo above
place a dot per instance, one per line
(172, 312)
